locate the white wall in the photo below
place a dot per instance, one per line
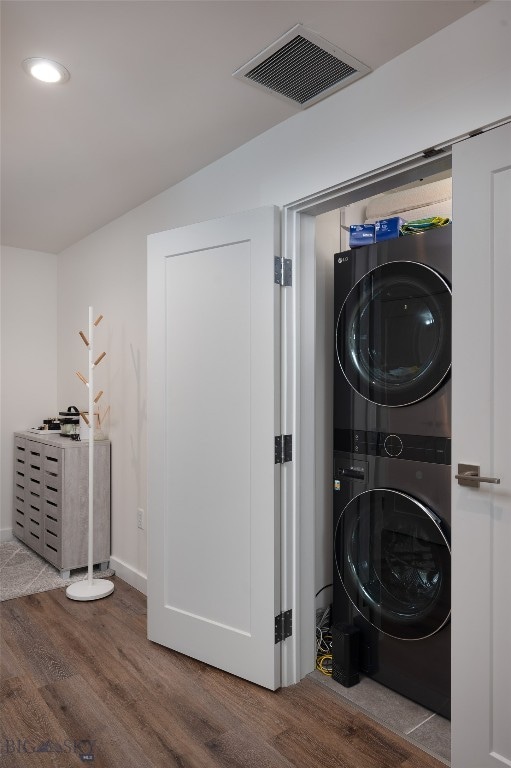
(454, 82)
(28, 354)
(108, 271)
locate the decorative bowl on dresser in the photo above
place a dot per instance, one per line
(51, 476)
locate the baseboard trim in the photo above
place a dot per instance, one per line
(125, 572)
(130, 575)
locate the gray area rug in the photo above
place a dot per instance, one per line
(23, 572)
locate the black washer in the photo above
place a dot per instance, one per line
(394, 333)
(394, 562)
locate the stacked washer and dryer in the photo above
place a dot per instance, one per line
(392, 474)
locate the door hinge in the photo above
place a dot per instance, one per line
(283, 449)
(432, 151)
(283, 625)
(283, 271)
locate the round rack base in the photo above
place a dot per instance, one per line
(84, 590)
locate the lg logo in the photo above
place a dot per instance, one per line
(342, 259)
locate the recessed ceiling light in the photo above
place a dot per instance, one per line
(46, 70)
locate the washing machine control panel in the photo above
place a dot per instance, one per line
(393, 445)
(434, 450)
(350, 469)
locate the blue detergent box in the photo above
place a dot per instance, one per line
(361, 234)
(386, 229)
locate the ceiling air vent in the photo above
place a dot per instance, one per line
(301, 67)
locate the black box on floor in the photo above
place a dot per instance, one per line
(345, 654)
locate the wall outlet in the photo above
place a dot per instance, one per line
(140, 519)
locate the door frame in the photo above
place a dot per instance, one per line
(300, 361)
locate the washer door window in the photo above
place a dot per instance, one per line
(394, 333)
(394, 562)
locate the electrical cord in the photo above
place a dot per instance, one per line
(324, 664)
(322, 588)
(323, 642)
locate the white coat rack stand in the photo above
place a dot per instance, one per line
(89, 588)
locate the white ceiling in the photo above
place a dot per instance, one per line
(151, 98)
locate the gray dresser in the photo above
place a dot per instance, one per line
(51, 498)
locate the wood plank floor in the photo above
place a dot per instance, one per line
(81, 683)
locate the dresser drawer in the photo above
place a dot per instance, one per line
(34, 453)
(20, 478)
(34, 487)
(52, 480)
(20, 466)
(52, 538)
(33, 537)
(19, 443)
(52, 493)
(34, 472)
(19, 496)
(53, 460)
(52, 509)
(34, 514)
(34, 528)
(18, 527)
(51, 551)
(52, 527)
(20, 453)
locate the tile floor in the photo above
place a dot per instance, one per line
(427, 730)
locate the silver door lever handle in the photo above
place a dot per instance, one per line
(468, 474)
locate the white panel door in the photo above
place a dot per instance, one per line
(481, 525)
(213, 413)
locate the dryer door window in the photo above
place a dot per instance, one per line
(394, 333)
(394, 562)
